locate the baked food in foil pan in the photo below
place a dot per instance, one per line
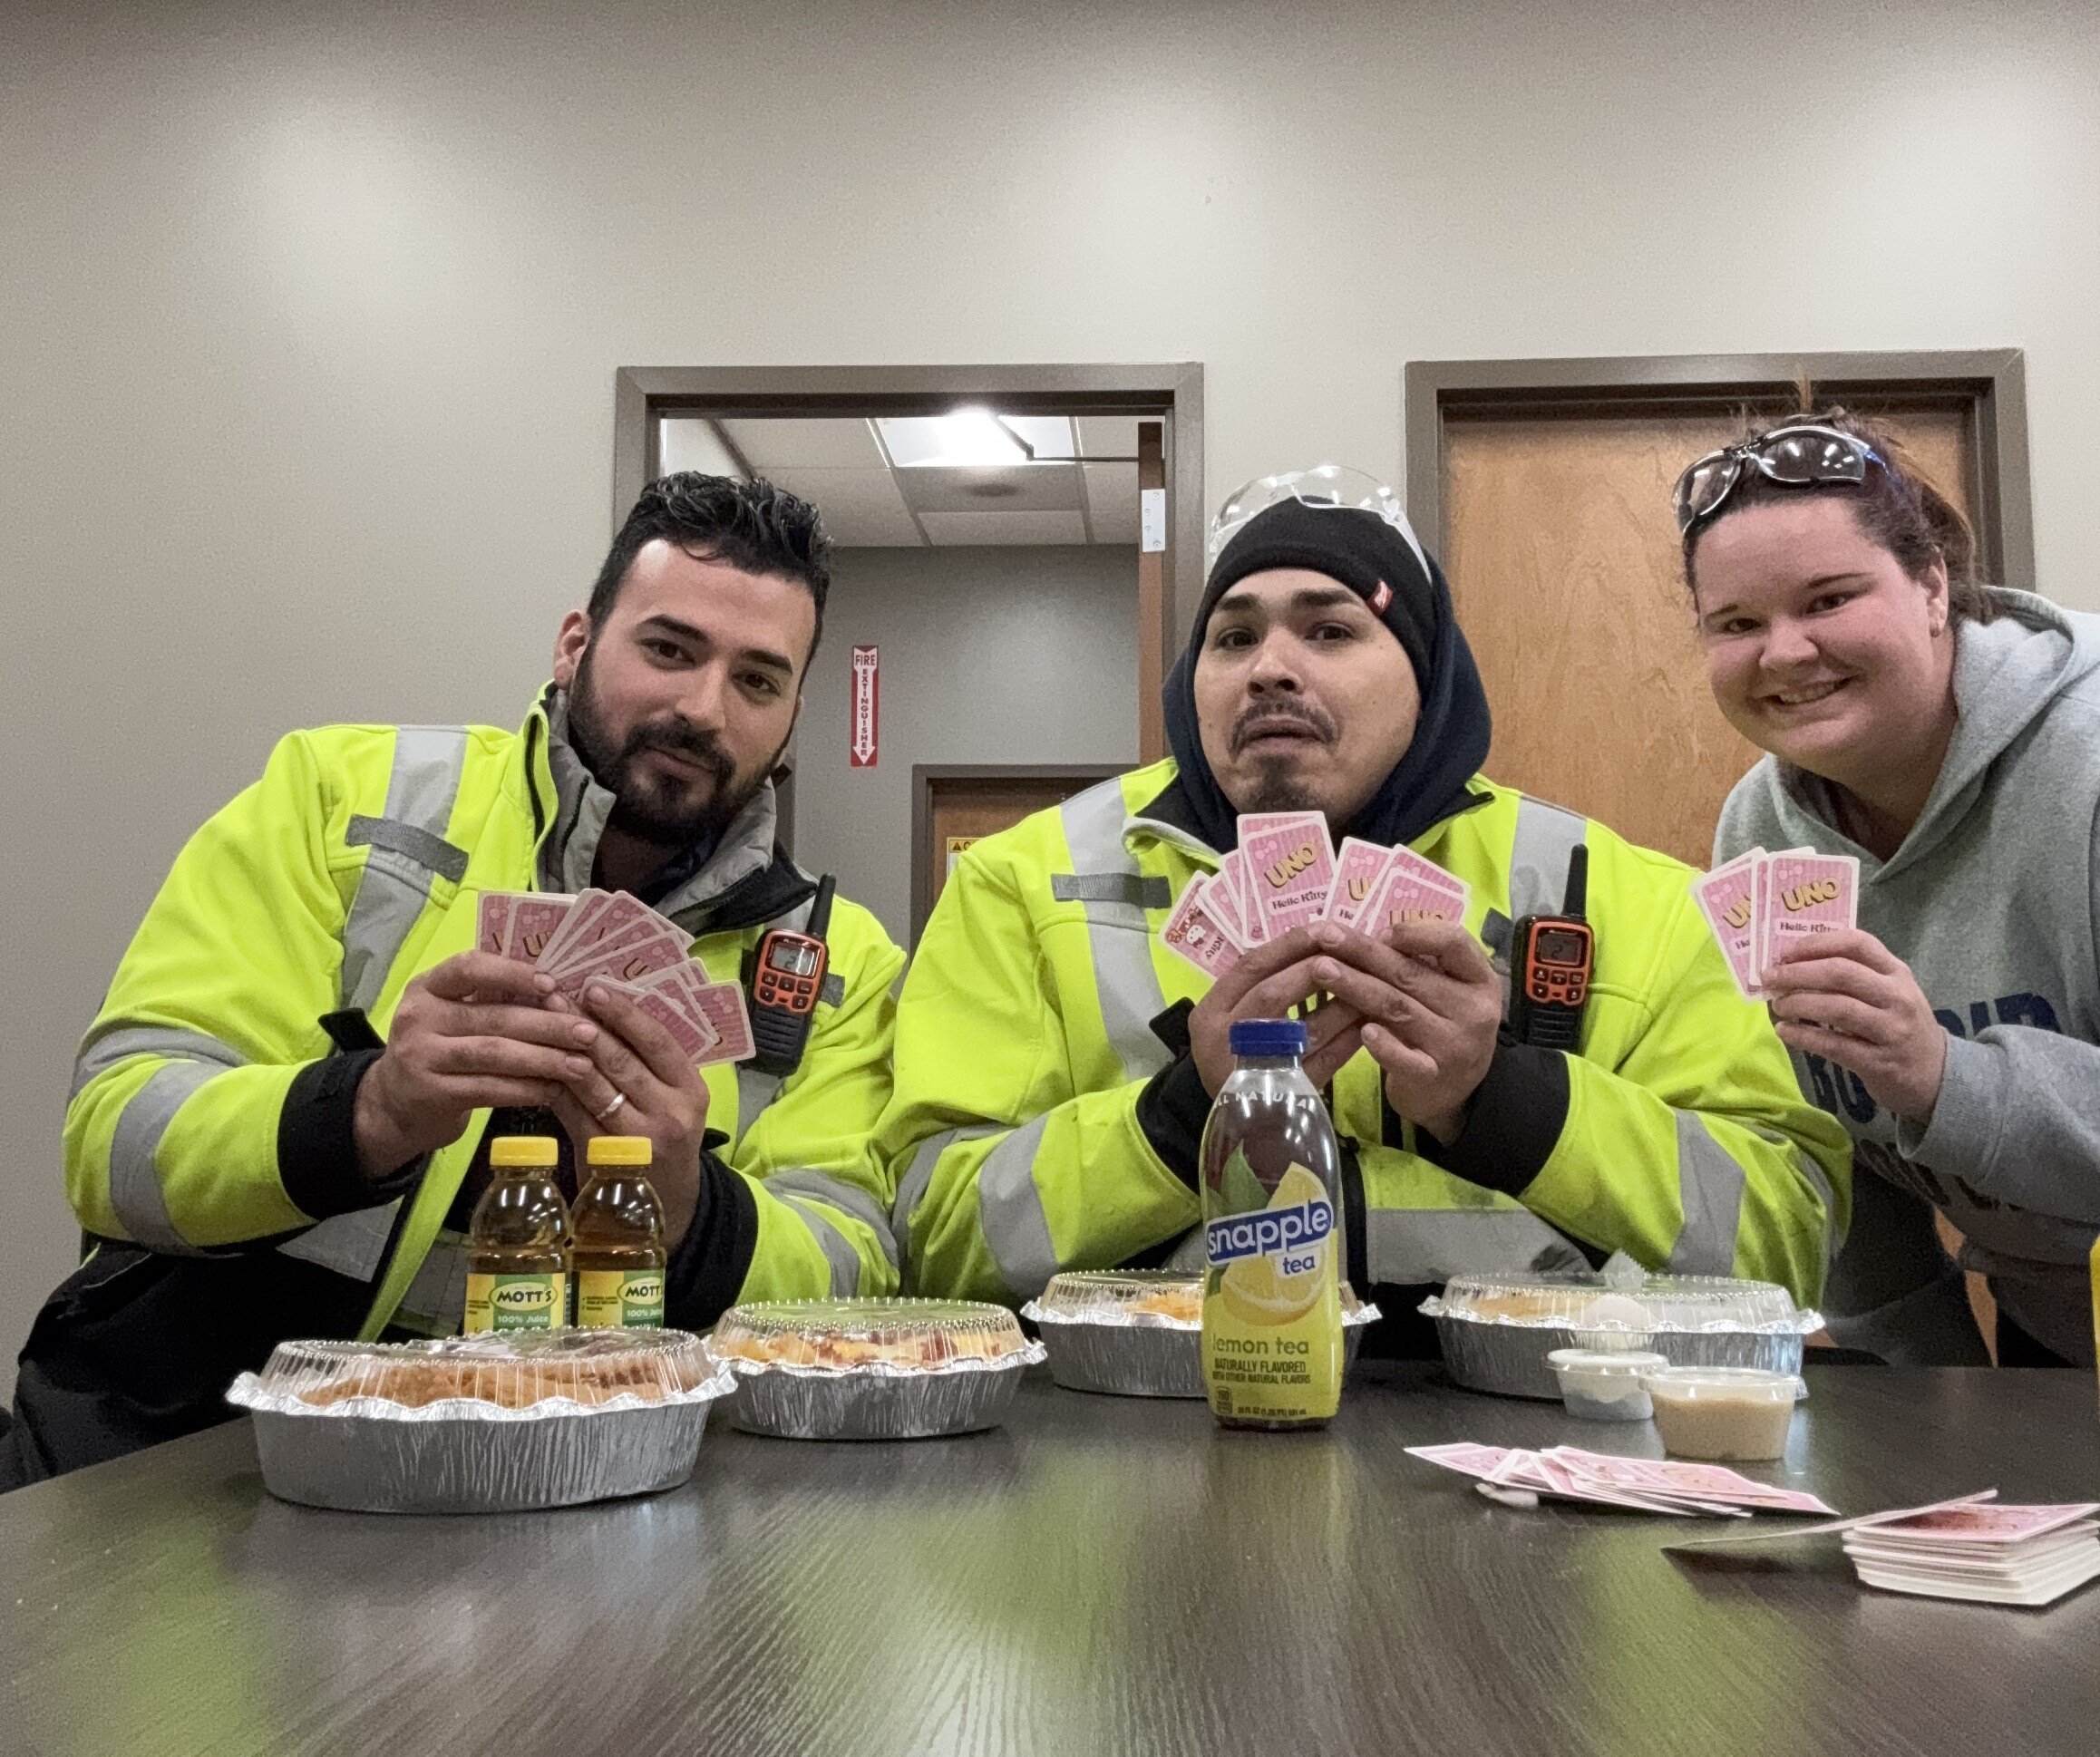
(482, 1423)
(871, 1369)
(1497, 1330)
(1138, 1332)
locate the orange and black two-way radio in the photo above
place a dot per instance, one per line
(1551, 958)
(785, 981)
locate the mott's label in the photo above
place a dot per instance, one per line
(1272, 1307)
(619, 1299)
(515, 1302)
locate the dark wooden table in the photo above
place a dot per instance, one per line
(1102, 1574)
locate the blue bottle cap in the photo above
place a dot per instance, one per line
(1267, 1038)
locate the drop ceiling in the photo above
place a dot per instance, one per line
(850, 470)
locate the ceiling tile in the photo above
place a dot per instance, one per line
(690, 442)
(1025, 487)
(778, 444)
(862, 507)
(1111, 497)
(951, 529)
(1108, 436)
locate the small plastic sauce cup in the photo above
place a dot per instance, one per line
(1723, 1413)
(1604, 1384)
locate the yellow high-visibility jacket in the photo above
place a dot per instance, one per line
(354, 865)
(1024, 1041)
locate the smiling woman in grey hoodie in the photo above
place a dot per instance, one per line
(1948, 734)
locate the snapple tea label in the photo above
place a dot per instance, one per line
(515, 1302)
(1273, 1307)
(617, 1299)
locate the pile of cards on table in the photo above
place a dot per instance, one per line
(1759, 902)
(1976, 1548)
(610, 937)
(1640, 1485)
(1994, 1553)
(1285, 872)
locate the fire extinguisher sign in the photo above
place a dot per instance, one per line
(864, 727)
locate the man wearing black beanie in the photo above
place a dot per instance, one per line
(1054, 1064)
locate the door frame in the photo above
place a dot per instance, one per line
(1993, 381)
(924, 775)
(1172, 393)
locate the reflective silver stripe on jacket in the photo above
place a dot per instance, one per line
(917, 1177)
(1118, 935)
(134, 1177)
(1546, 834)
(1010, 1212)
(837, 1248)
(135, 1192)
(119, 1040)
(428, 761)
(849, 1197)
(755, 1091)
(1710, 1188)
(350, 1244)
(1405, 1247)
(436, 1299)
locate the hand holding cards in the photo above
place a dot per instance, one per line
(1286, 873)
(1759, 903)
(608, 937)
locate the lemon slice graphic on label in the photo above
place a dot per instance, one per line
(1253, 1289)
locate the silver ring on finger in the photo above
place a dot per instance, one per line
(611, 1110)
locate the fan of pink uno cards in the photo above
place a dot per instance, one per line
(1285, 872)
(1758, 901)
(607, 936)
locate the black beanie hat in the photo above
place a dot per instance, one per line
(1405, 589)
(1350, 544)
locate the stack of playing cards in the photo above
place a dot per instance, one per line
(1759, 901)
(608, 937)
(1976, 1548)
(1994, 1554)
(1285, 873)
(1640, 1485)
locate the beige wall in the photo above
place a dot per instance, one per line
(988, 655)
(309, 317)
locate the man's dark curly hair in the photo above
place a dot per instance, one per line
(752, 526)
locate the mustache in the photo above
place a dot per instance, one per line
(1260, 719)
(681, 739)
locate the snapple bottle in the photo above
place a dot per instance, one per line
(518, 1241)
(1272, 1233)
(619, 1256)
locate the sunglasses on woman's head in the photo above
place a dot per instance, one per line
(1804, 456)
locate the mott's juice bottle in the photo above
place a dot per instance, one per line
(619, 1253)
(1272, 1230)
(518, 1242)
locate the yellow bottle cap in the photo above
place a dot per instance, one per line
(508, 1150)
(621, 1150)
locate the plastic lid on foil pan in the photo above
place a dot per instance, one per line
(1638, 1304)
(893, 1337)
(1162, 1299)
(484, 1376)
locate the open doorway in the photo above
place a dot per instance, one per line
(1015, 549)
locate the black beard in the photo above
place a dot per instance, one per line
(1276, 789)
(646, 806)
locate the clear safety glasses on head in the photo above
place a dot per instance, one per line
(1324, 485)
(1804, 455)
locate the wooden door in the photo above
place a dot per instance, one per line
(1563, 553)
(956, 805)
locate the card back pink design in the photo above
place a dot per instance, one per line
(1289, 869)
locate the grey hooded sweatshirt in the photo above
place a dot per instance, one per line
(1993, 902)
